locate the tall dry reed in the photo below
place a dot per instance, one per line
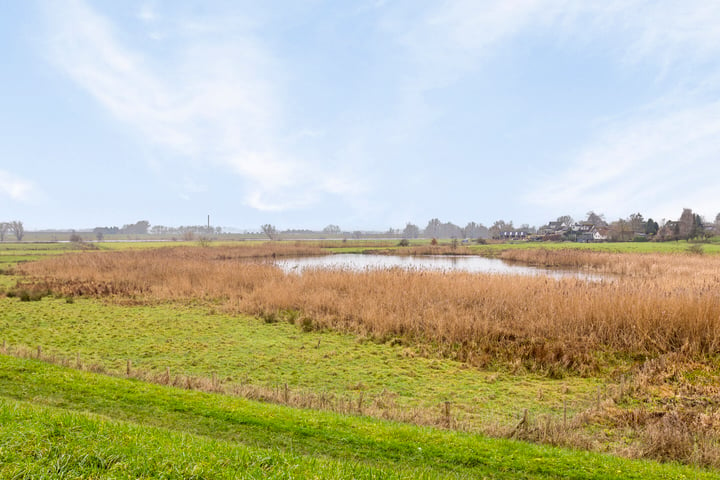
(664, 303)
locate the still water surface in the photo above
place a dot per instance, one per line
(443, 263)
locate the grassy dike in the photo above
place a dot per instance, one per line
(59, 422)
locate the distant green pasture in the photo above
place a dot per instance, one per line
(681, 246)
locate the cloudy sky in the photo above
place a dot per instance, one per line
(365, 114)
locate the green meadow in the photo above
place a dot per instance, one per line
(63, 423)
(242, 350)
(680, 246)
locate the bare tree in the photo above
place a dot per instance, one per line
(437, 229)
(140, 227)
(411, 231)
(596, 219)
(475, 230)
(621, 231)
(686, 223)
(501, 226)
(525, 227)
(4, 229)
(637, 222)
(18, 230)
(270, 231)
(566, 219)
(432, 230)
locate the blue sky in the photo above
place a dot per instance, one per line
(365, 114)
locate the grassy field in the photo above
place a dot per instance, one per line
(322, 369)
(84, 425)
(681, 246)
(494, 249)
(205, 319)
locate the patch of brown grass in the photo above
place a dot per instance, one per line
(646, 265)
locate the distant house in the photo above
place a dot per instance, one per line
(553, 228)
(583, 227)
(514, 235)
(601, 234)
(587, 232)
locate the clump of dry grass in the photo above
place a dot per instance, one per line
(647, 265)
(672, 414)
(669, 303)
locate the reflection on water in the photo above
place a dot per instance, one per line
(443, 263)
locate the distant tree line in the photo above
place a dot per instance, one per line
(593, 227)
(183, 229)
(14, 228)
(143, 227)
(635, 227)
(138, 228)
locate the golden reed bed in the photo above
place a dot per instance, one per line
(657, 303)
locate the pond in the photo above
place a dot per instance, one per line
(442, 263)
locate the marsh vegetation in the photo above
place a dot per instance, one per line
(635, 357)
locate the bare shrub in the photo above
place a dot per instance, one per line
(669, 437)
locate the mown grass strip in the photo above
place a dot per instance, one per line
(47, 442)
(327, 436)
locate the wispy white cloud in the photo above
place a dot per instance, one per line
(663, 156)
(665, 32)
(147, 12)
(658, 162)
(454, 36)
(641, 158)
(212, 101)
(16, 188)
